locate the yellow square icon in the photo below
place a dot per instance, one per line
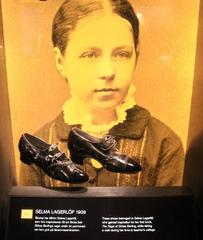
(26, 213)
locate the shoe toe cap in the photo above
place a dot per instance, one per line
(133, 166)
(80, 176)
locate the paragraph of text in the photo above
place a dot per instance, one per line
(59, 221)
(128, 224)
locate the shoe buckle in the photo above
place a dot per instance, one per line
(52, 147)
(53, 157)
(108, 142)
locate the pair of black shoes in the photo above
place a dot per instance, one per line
(81, 145)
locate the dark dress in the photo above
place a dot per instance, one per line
(159, 149)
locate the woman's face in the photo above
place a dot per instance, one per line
(99, 60)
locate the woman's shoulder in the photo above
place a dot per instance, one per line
(45, 130)
(159, 128)
(143, 119)
(139, 119)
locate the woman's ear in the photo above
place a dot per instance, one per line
(137, 53)
(59, 59)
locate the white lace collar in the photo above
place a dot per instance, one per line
(76, 112)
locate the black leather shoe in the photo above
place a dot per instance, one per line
(50, 159)
(82, 145)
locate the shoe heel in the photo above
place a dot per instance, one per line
(25, 159)
(77, 158)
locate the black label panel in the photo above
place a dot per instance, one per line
(101, 218)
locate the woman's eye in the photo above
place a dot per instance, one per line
(123, 54)
(89, 55)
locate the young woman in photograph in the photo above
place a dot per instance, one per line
(96, 51)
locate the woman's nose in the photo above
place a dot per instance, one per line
(106, 70)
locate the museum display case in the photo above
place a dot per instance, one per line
(168, 78)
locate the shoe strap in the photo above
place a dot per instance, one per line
(54, 157)
(56, 164)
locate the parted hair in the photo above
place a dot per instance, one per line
(71, 11)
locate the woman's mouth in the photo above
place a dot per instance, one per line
(107, 90)
(106, 94)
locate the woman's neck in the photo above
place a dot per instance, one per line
(92, 120)
(103, 117)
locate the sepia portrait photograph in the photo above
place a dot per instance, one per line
(100, 90)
